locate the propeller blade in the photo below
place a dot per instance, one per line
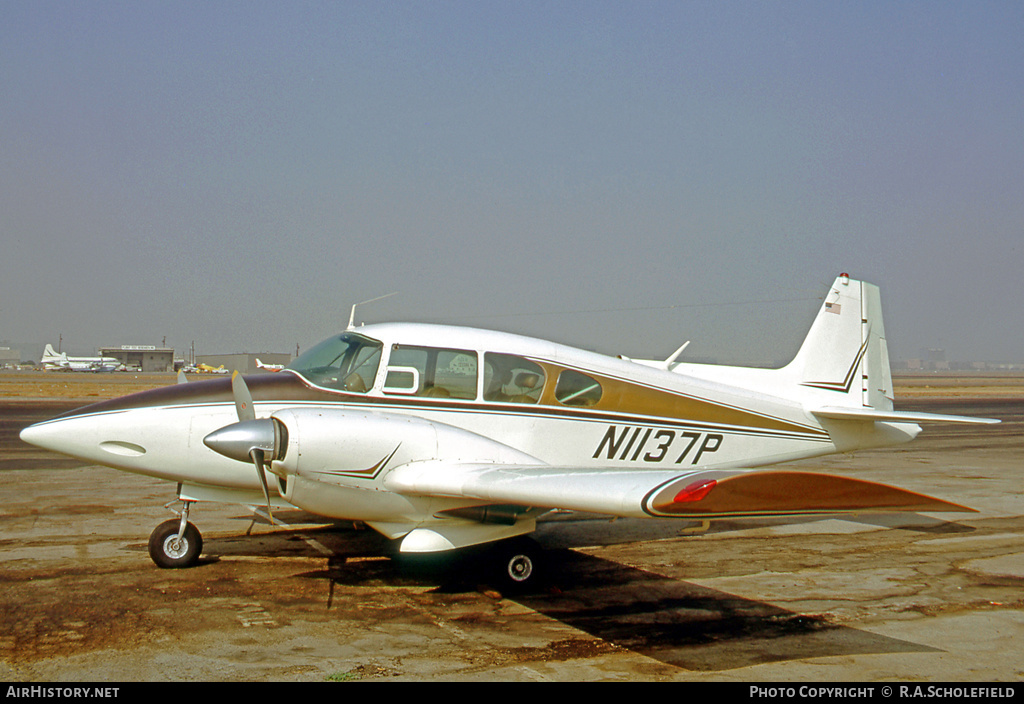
(251, 441)
(257, 457)
(243, 399)
(248, 439)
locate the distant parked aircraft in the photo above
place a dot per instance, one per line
(206, 368)
(53, 360)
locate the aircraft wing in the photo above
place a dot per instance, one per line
(695, 495)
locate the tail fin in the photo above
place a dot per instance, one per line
(845, 350)
(842, 368)
(845, 353)
(48, 351)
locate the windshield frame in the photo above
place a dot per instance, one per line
(341, 363)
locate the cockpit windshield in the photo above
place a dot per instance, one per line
(347, 362)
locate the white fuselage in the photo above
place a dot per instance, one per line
(448, 437)
(713, 425)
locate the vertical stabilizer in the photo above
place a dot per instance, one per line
(52, 357)
(845, 351)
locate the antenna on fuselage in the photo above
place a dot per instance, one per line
(352, 315)
(671, 361)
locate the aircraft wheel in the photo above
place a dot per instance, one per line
(168, 551)
(518, 564)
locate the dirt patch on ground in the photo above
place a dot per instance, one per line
(959, 384)
(83, 386)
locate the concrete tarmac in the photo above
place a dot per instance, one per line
(907, 597)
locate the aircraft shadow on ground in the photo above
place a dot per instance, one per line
(693, 627)
(675, 622)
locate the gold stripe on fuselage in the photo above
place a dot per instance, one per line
(631, 398)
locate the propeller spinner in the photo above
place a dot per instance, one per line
(251, 439)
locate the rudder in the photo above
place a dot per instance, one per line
(845, 351)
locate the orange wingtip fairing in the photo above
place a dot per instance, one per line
(780, 493)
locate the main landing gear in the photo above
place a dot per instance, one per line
(517, 565)
(176, 543)
(510, 566)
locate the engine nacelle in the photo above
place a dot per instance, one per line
(357, 448)
(336, 460)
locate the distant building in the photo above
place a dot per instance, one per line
(143, 358)
(9, 357)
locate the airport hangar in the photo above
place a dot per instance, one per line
(145, 358)
(148, 358)
(9, 357)
(152, 358)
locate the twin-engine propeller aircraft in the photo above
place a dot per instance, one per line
(444, 437)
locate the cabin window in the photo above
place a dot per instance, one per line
(430, 371)
(346, 362)
(575, 389)
(402, 380)
(512, 379)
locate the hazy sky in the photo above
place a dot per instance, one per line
(623, 176)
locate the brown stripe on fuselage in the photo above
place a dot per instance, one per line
(622, 396)
(619, 397)
(262, 387)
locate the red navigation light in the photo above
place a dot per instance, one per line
(695, 492)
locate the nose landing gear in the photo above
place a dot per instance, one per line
(176, 543)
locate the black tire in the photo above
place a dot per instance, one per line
(517, 565)
(170, 554)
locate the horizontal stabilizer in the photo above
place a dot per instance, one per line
(852, 413)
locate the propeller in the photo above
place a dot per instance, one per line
(251, 439)
(243, 399)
